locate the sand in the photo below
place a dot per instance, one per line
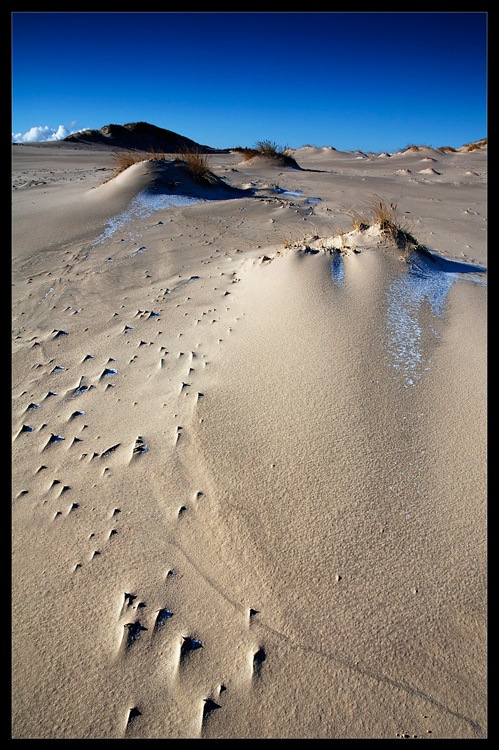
(248, 471)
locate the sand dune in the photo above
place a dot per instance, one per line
(138, 136)
(249, 449)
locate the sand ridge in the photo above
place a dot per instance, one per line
(234, 515)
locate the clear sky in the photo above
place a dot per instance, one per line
(371, 81)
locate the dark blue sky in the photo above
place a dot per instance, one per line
(372, 81)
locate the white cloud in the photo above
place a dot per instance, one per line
(42, 133)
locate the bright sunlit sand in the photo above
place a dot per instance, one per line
(249, 445)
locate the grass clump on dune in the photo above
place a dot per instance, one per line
(379, 215)
(270, 150)
(124, 159)
(194, 162)
(385, 216)
(196, 165)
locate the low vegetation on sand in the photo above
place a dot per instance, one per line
(194, 162)
(377, 214)
(269, 150)
(385, 215)
(124, 159)
(468, 146)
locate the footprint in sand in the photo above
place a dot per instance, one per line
(209, 706)
(110, 450)
(53, 439)
(162, 616)
(133, 713)
(140, 446)
(76, 414)
(258, 660)
(188, 645)
(73, 506)
(132, 632)
(108, 372)
(25, 428)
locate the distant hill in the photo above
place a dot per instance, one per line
(140, 136)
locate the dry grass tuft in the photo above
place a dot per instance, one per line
(385, 215)
(268, 149)
(416, 147)
(476, 145)
(193, 161)
(196, 164)
(124, 159)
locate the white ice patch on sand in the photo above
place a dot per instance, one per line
(426, 282)
(422, 286)
(144, 204)
(337, 269)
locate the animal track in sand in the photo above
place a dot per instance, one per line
(133, 713)
(110, 450)
(187, 646)
(75, 414)
(139, 447)
(137, 625)
(209, 706)
(132, 632)
(156, 621)
(162, 616)
(53, 439)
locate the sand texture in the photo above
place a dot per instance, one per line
(248, 448)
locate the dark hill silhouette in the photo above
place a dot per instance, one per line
(139, 136)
